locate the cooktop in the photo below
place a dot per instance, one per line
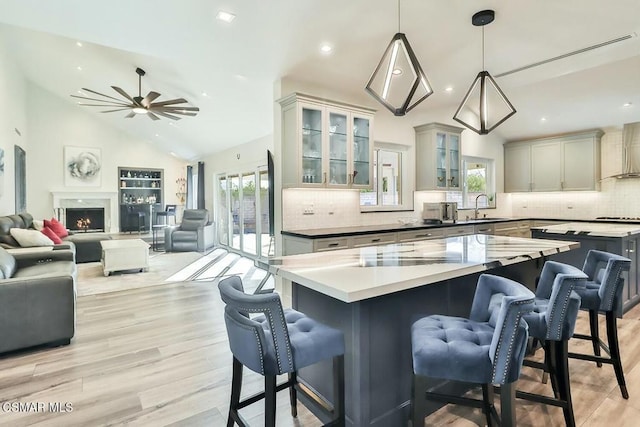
(620, 218)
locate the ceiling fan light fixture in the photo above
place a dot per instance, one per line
(138, 104)
(493, 106)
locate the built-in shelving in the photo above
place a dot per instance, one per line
(140, 192)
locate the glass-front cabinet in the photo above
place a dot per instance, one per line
(325, 144)
(438, 157)
(362, 147)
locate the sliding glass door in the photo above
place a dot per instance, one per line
(242, 212)
(235, 190)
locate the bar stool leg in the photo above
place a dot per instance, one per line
(614, 347)
(418, 401)
(487, 402)
(508, 405)
(595, 334)
(236, 386)
(293, 395)
(561, 356)
(338, 391)
(269, 400)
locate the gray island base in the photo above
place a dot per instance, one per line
(374, 294)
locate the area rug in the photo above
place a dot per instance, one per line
(162, 266)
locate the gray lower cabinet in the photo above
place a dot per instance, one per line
(625, 246)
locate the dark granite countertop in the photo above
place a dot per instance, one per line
(385, 228)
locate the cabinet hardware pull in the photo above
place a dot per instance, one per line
(333, 245)
(324, 177)
(422, 235)
(375, 240)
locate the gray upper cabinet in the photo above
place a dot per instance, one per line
(438, 157)
(563, 163)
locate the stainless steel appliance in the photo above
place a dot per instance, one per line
(439, 212)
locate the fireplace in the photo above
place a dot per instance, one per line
(84, 219)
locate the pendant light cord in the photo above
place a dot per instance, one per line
(483, 69)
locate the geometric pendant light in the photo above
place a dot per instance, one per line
(398, 81)
(484, 106)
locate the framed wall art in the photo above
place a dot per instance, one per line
(82, 166)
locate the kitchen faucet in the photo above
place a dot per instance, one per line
(475, 211)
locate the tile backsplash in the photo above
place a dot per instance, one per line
(311, 209)
(305, 209)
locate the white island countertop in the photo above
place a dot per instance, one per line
(599, 229)
(351, 275)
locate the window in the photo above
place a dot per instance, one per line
(389, 191)
(478, 177)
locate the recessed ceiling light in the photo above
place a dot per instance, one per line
(157, 135)
(79, 44)
(543, 119)
(173, 154)
(204, 94)
(170, 123)
(396, 72)
(326, 48)
(79, 68)
(240, 77)
(448, 89)
(627, 104)
(225, 16)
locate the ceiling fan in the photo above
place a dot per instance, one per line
(139, 105)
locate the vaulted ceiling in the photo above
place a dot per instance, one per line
(186, 52)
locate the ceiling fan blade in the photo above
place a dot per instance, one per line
(123, 93)
(100, 100)
(169, 102)
(168, 116)
(153, 116)
(178, 108)
(130, 115)
(151, 96)
(125, 106)
(119, 109)
(101, 94)
(185, 113)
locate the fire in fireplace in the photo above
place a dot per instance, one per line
(85, 219)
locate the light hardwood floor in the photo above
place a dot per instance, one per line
(158, 356)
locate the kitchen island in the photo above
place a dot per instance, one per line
(373, 294)
(617, 238)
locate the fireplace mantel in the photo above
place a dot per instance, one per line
(87, 198)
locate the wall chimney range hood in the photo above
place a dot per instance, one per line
(630, 151)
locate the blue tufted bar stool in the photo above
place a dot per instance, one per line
(277, 342)
(552, 322)
(487, 348)
(603, 294)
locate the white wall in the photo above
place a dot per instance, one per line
(13, 115)
(54, 123)
(240, 159)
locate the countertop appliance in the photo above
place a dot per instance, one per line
(439, 212)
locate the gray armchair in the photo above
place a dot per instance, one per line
(195, 233)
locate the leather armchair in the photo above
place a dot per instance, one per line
(195, 233)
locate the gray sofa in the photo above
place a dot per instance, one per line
(37, 298)
(195, 233)
(86, 245)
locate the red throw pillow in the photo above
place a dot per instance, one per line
(57, 227)
(52, 235)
